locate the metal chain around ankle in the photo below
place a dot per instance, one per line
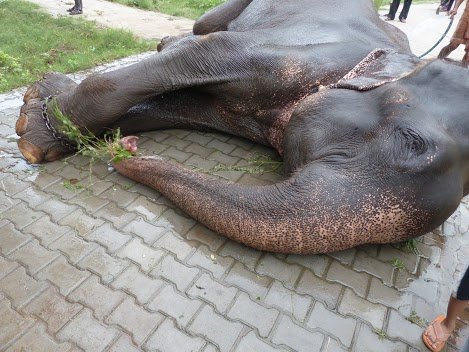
(52, 130)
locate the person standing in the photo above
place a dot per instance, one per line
(440, 329)
(393, 9)
(77, 9)
(460, 35)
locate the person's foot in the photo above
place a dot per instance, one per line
(438, 10)
(71, 9)
(387, 18)
(76, 12)
(403, 20)
(436, 334)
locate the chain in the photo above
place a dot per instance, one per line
(52, 130)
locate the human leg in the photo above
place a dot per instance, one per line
(405, 10)
(393, 9)
(78, 8)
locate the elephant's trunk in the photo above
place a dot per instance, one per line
(314, 211)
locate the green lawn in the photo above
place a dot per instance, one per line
(185, 8)
(33, 43)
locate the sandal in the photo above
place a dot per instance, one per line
(434, 337)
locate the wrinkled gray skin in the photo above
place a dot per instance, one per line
(380, 155)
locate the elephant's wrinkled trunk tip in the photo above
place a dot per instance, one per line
(129, 143)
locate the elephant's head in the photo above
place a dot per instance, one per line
(394, 136)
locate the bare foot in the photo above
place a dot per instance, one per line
(436, 334)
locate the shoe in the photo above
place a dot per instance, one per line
(76, 12)
(434, 337)
(71, 9)
(387, 18)
(403, 20)
(438, 10)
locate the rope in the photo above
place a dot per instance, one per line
(439, 41)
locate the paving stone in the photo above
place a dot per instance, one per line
(357, 306)
(168, 267)
(101, 299)
(210, 348)
(110, 238)
(180, 224)
(316, 263)
(88, 333)
(63, 275)
(141, 254)
(176, 305)
(117, 216)
(30, 287)
(12, 324)
(288, 301)
(134, 319)
(256, 286)
(124, 344)
(11, 185)
(253, 314)
(46, 231)
(118, 195)
(370, 265)
(53, 309)
(389, 254)
(149, 210)
(137, 284)
(63, 190)
(216, 328)
(11, 239)
(200, 153)
(358, 282)
(174, 244)
(90, 203)
(102, 264)
(56, 209)
(211, 291)
(6, 267)
(37, 339)
(152, 147)
(175, 154)
(331, 345)
(296, 337)
(81, 222)
(369, 341)
(251, 342)
(400, 327)
(169, 338)
(332, 323)
(221, 146)
(73, 247)
(246, 255)
(202, 234)
(146, 231)
(95, 185)
(33, 256)
(277, 269)
(210, 261)
(388, 296)
(32, 196)
(427, 290)
(6, 202)
(319, 289)
(345, 257)
(199, 138)
(21, 216)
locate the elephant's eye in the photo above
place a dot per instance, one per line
(413, 141)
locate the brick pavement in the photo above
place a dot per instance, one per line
(110, 265)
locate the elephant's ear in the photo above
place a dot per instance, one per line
(379, 67)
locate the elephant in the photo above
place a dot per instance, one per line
(375, 141)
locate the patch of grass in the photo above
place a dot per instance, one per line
(411, 246)
(398, 264)
(414, 318)
(73, 185)
(184, 8)
(257, 164)
(381, 333)
(107, 149)
(33, 43)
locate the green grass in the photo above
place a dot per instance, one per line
(33, 43)
(184, 8)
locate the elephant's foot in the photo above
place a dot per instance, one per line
(40, 139)
(52, 83)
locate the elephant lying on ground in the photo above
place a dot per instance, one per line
(375, 141)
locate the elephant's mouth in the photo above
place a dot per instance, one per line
(379, 67)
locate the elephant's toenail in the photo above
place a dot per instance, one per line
(21, 124)
(32, 153)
